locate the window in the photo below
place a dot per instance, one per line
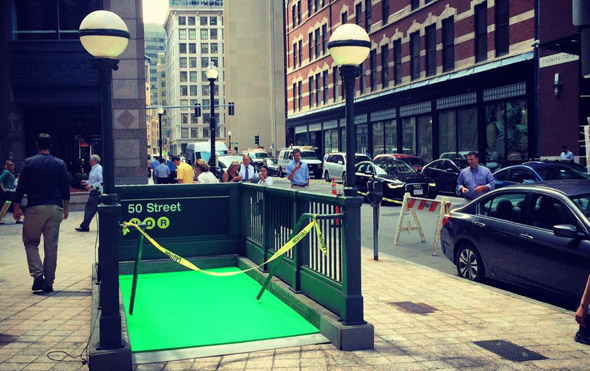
(183, 76)
(203, 21)
(193, 76)
(521, 175)
(357, 14)
(344, 18)
(316, 5)
(294, 55)
(193, 90)
(294, 97)
(191, 21)
(192, 34)
(385, 11)
(457, 130)
(310, 45)
(368, 15)
(299, 12)
(183, 90)
(481, 32)
(214, 48)
(182, 62)
(214, 34)
(506, 130)
(424, 137)
(409, 135)
(204, 62)
(309, 7)
(362, 78)
(335, 83)
(213, 21)
(324, 39)
(318, 86)
(300, 48)
(325, 87)
(204, 34)
(501, 33)
(203, 76)
(204, 48)
(373, 61)
(415, 55)
(192, 48)
(182, 48)
(397, 61)
(182, 34)
(311, 92)
(205, 90)
(193, 131)
(362, 138)
(415, 4)
(430, 50)
(206, 130)
(215, 62)
(294, 16)
(317, 42)
(182, 21)
(448, 48)
(507, 206)
(184, 133)
(384, 66)
(192, 62)
(300, 93)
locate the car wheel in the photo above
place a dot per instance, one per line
(344, 179)
(469, 263)
(327, 176)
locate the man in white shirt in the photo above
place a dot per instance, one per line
(93, 184)
(247, 171)
(566, 154)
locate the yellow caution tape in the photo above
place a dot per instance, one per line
(182, 261)
(321, 241)
(384, 198)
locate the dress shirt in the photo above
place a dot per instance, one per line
(207, 177)
(472, 179)
(267, 181)
(162, 171)
(566, 155)
(44, 178)
(95, 177)
(171, 165)
(252, 174)
(301, 176)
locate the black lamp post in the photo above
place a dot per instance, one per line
(349, 46)
(104, 35)
(212, 73)
(160, 143)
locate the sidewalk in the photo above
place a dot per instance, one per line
(454, 314)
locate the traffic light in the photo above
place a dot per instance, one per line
(257, 139)
(231, 108)
(197, 110)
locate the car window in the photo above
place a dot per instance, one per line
(397, 168)
(560, 172)
(583, 203)
(506, 206)
(521, 175)
(501, 175)
(339, 158)
(361, 168)
(379, 170)
(361, 158)
(310, 155)
(549, 211)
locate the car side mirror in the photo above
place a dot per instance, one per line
(565, 230)
(340, 163)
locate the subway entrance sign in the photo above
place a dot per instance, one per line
(181, 219)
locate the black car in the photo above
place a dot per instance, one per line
(398, 178)
(535, 236)
(538, 171)
(445, 172)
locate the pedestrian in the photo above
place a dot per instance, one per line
(93, 185)
(566, 154)
(154, 164)
(172, 168)
(476, 179)
(161, 172)
(297, 171)
(247, 171)
(264, 178)
(8, 186)
(232, 174)
(583, 317)
(204, 176)
(44, 178)
(184, 172)
(149, 166)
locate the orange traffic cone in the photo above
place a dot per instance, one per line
(335, 193)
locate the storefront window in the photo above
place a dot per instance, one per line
(301, 139)
(331, 140)
(378, 139)
(457, 130)
(447, 131)
(390, 136)
(506, 130)
(425, 138)
(343, 139)
(409, 135)
(362, 138)
(467, 129)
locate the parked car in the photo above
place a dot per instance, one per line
(308, 156)
(258, 156)
(273, 166)
(225, 161)
(534, 235)
(414, 161)
(335, 165)
(462, 155)
(538, 171)
(445, 173)
(398, 177)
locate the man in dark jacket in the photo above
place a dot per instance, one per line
(44, 179)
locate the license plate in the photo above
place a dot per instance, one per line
(418, 192)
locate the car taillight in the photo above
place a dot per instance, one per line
(446, 218)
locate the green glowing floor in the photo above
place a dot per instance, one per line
(190, 309)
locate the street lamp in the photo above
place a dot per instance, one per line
(160, 113)
(105, 36)
(349, 46)
(212, 73)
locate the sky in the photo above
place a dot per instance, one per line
(154, 11)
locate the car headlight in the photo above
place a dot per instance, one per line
(395, 185)
(432, 184)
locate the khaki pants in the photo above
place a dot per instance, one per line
(42, 220)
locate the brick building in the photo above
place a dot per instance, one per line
(442, 76)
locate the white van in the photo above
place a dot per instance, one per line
(202, 150)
